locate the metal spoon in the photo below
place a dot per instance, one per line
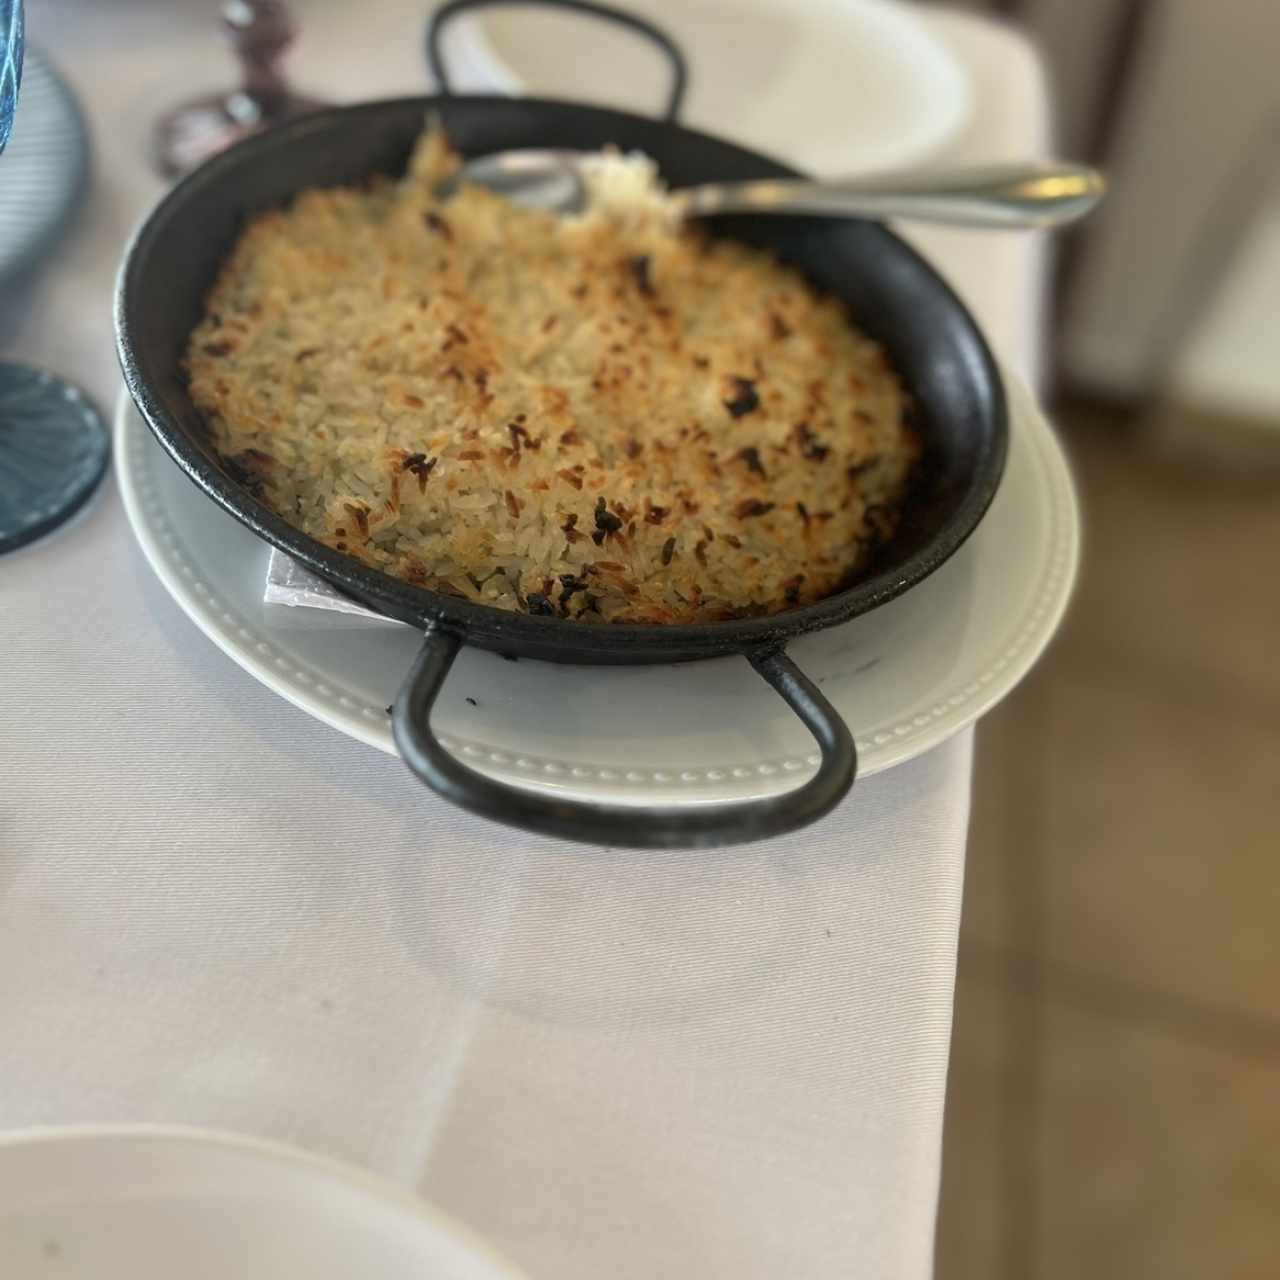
(996, 196)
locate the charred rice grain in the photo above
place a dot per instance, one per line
(639, 265)
(744, 398)
(438, 224)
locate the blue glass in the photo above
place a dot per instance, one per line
(53, 443)
(11, 66)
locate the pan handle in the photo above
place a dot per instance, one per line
(618, 825)
(633, 22)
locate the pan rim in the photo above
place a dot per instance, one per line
(486, 625)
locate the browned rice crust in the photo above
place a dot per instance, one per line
(603, 418)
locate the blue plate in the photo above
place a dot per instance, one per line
(53, 450)
(45, 168)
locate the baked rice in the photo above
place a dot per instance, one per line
(608, 417)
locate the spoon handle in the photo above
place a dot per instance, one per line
(999, 196)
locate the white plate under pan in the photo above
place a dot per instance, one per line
(906, 676)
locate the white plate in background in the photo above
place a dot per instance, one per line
(905, 676)
(160, 1203)
(830, 86)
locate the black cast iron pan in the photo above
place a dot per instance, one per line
(892, 292)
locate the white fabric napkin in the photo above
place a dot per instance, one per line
(296, 597)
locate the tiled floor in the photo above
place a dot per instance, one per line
(1114, 1102)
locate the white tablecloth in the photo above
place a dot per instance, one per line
(214, 910)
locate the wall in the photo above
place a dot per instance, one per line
(1231, 361)
(1204, 85)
